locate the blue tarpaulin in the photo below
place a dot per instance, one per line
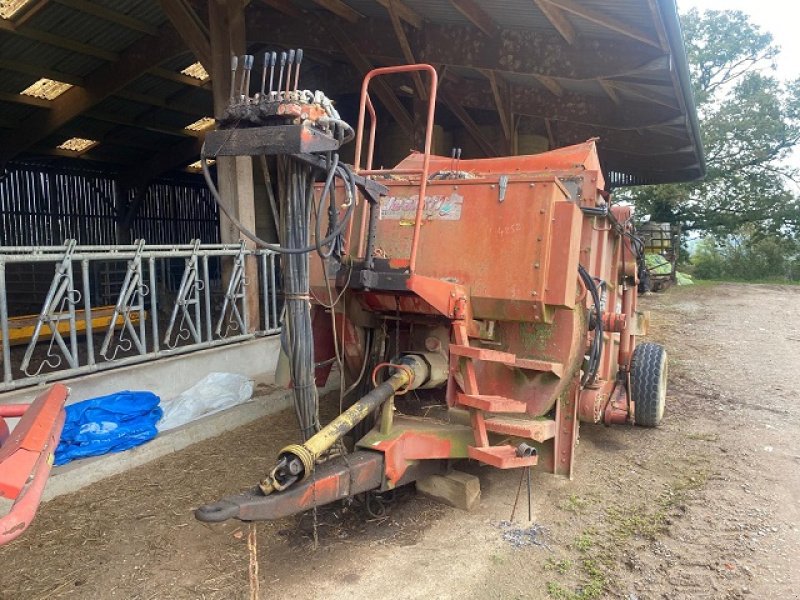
(107, 424)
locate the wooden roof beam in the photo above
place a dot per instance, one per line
(469, 124)
(405, 46)
(472, 11)
(340, 9)
(30, 11)
(191, 28)
(150, 100)
(286, 7)
(407, 14)
(380, 86)
(39, 71)
(558, 20)
(503, 104)
(112, 16)
(180, 78)
(101, 83)
(605, 21)
(526, 52)
(26, 100)
(551, 84)
(56, 40)
(609, 90)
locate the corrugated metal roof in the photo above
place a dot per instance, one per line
(112, 39)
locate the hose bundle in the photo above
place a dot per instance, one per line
(596, 349)
(295, 206)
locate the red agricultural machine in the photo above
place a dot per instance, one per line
(26, 456)
(479, 309)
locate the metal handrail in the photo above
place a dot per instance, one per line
(364, 104)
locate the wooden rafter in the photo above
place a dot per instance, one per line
(551, 134)
(58, 41)
(340, 9)
(31, 11)
(39, 71)
(469, 124)
(180, 78)
(551, 83)
(190, 27)
(558, 20)
(608, 58)
(644, 93)
(139, 123)
(609, 90)
(382, 89)
(503, 105)
(284, 6)
(150, 100)
(112, 16)
(26, 100)
(405, 46)
(103, 82)
(476, 15)
(407, 14)
(605, 21)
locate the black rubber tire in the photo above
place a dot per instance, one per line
(649, 372)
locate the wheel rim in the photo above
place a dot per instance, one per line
(662, 387)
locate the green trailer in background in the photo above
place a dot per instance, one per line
(661, 247)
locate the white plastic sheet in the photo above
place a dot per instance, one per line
(213, 393)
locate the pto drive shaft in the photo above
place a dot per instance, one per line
(296, 462)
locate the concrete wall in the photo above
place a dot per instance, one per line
(168, 377)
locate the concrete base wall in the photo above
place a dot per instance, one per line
(168, 377)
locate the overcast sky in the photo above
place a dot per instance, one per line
(779, 17)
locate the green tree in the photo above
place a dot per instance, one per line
(750, 124)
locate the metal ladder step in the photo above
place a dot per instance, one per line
(501, 457)
(494, 404)
(538, 430)
(475, 353)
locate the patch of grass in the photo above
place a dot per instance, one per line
(598, 548)
(584, 542)
(560, 566)
(592, 587)
(574, 504)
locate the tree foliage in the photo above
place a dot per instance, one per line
(750, 124)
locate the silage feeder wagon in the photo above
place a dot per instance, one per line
(483, 323)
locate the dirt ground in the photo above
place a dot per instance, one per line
(706, 506)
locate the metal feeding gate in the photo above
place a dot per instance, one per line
(170, 300)
(497, 295)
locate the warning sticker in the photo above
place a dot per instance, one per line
(443, 208)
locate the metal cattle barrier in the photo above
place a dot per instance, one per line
(155, 313)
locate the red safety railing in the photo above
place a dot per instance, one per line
(366, 105)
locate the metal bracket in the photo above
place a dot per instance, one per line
(131, 298)
(237, 320)
(60, 296)
(187, 302)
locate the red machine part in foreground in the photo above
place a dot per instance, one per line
(26, 456)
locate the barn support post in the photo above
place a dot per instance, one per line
(234, 174)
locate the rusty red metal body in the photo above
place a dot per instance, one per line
(487, 265)
(26, 456)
